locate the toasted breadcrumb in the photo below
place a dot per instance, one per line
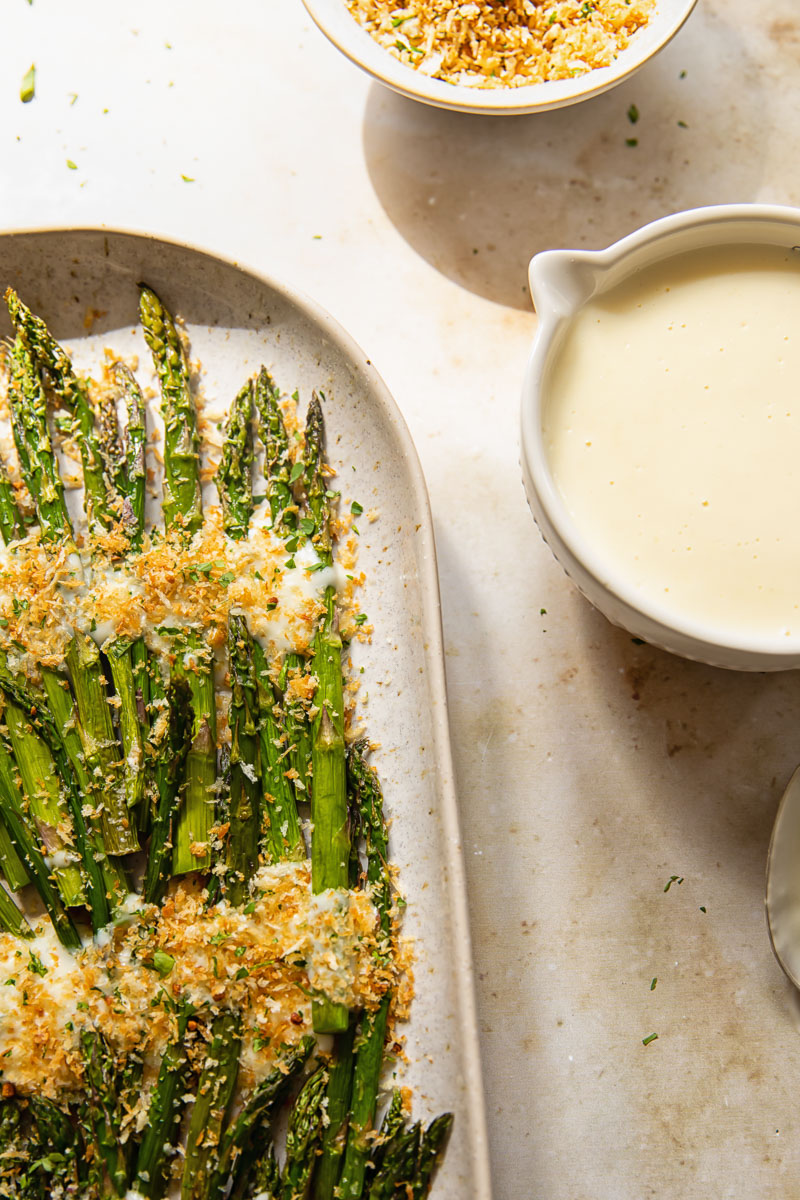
(487, 44)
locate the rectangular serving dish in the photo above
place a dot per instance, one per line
(83, 282)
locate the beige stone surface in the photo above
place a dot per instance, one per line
(590, 769)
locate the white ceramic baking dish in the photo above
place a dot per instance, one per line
(236, 319)
(561, 282)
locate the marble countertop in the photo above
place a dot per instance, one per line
(590, 769)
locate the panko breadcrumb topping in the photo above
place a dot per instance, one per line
(493, 44)
(266, 960)
(46, 594)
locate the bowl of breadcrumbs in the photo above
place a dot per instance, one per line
(500, 56)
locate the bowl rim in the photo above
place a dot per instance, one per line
(661, 239)
(342, 29)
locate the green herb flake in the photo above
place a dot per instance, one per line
(631, 141)
(308, 526)
(73, 97)
(73, 166)
(28, 86)
(682, 125)
(226, 578)
(35, 964)
(542, 612)
(163, 963)
(188, 178)
(633, 114)
(361, 619)
(651, 1037)
(356, 509)
(702, 908)
(653, 983)
(673, 879)
(297, 471)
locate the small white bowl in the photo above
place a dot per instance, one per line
(360, 47)
(561, 282)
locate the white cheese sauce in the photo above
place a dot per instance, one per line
(671, 422)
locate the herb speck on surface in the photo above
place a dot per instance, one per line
(28, 86)
(633, 114)
(651, 1037)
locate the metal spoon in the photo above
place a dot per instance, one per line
(783, 882)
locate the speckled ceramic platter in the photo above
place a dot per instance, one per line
(83, 282)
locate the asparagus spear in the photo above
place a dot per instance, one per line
(278, 463)
(212, 1102)
(434, 1141)
(283, 838)
(399, 1165)
(12, 524)
(164, 1114)
(367, 1054)
(34, 447)
(121, 664)
(280, 474)
(12, 919)
(28, 850)
(246, 1137)
(334, 1137)
(169, 747)
(182, 509)
(112, 455)
(100, 744)
(134, 476)
(107, 1086)
(42, 790)
(12, 867)
(243, 837)
(302, 1137)
(66, 720)
(73, 394)
(39, 723)
(330, 842)
(193, 663)
(234, 474)
(182, 500)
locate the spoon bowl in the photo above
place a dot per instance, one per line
(783, 882)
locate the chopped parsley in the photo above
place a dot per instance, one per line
(35, 964)
(651, 1037)
(28, 86)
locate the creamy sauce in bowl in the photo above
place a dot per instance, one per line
(671, 424)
